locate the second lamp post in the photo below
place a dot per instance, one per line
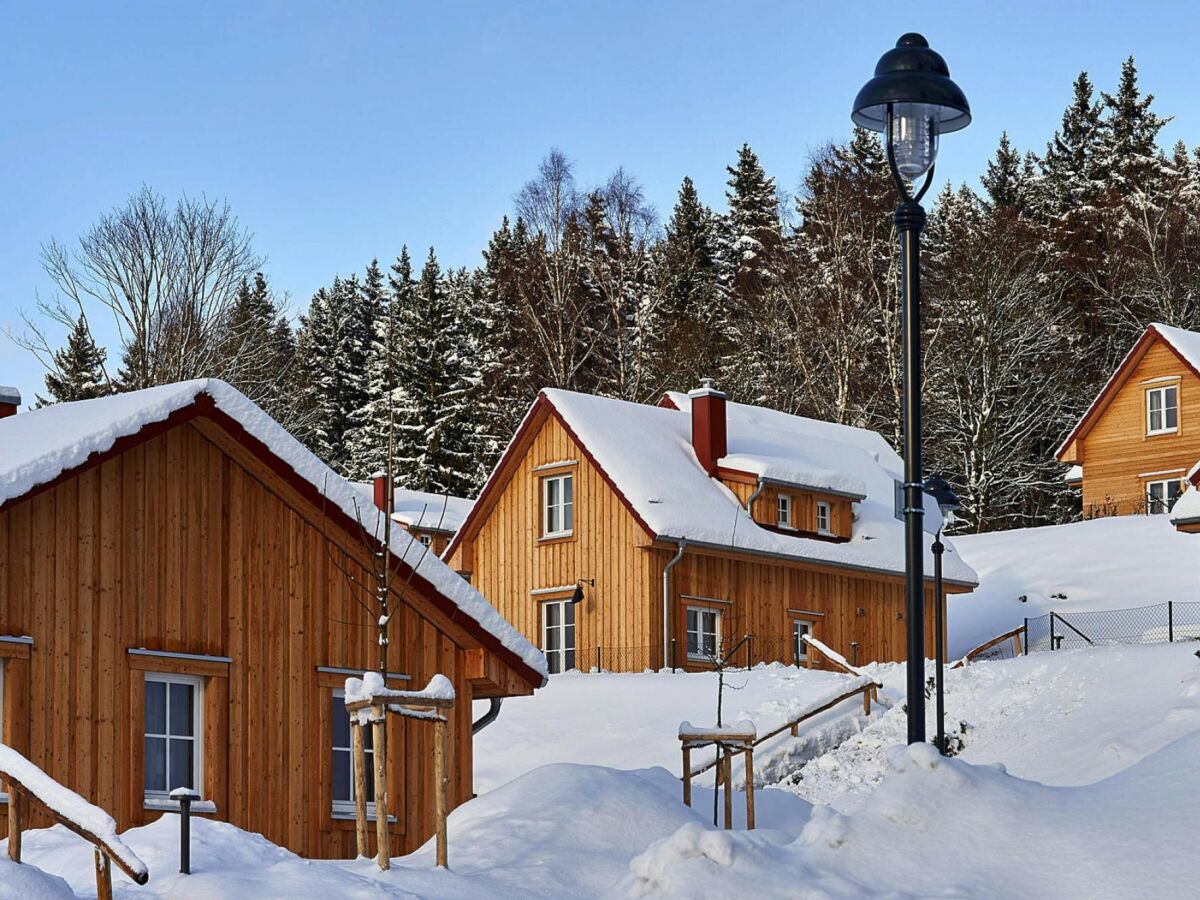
(912, 100)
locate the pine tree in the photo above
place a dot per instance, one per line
(78, 369)
(754, 236)
(1130, 159)
(1070, 167)
(1010, 179)
(258, 348)
(433, 435)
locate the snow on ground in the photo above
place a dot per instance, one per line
(1108, 563)
(631, 721)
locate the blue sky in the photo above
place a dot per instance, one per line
(339, 131)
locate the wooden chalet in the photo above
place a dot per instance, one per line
(174, 612)
(683, 527)
(1131, 451)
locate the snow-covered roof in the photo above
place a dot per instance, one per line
(42, 444)
(647, 452)
(1187, 507)
(1073, 474)
(423, 509)
(9, 394)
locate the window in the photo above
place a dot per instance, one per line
(425, 539)
(343, 759)
(784, 511)
(1162, 410)
(703, 632)
(172, 749)
(1161, 495)
(558, 505)
(800, 627)
(558, 635)
(824, 518)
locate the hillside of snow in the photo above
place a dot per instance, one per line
(1110, 563)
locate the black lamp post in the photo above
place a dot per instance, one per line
(939, 489)
(912, 100)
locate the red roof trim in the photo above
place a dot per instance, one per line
(204, 405)
(1117, 381)
(667, 403)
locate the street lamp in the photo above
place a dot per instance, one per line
(939, 489)
(912, 100)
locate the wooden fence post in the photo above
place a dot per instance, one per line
(749, 787)
(687, 775)
(103, 876)
(728, 787)
(16, 812)
(441, 728)
(358, 746)
(379, 735)
(866, 701)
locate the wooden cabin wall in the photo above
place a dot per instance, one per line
(186, 543)
(510, 561)
(1117, 449)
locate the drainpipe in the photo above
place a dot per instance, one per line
(488, 717)
(750, 502)
(666, 600)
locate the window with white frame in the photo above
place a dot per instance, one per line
(173, 744)
(343, 759)
(425, 539)
(558, 505)
(783, 511)
(703, 632)
(1162, 410)
(824, 518)
(800, 627)
(558, 635)
(1161, 495)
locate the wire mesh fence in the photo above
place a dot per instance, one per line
(1157, 624)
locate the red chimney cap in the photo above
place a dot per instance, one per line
(707, 389)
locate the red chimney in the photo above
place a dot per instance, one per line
(381, 497)
(708, 425)
(10, 399)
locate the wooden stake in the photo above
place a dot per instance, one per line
(103, 876)
(379, 734)
(728, 789)
(440, 801)
(16, 800)
(358, 748)
(749, 788)
(687, 775)
(866, 701)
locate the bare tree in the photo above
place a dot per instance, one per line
(167, 276)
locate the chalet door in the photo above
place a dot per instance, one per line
(558, 635)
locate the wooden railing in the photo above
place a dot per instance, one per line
(27, 782)
(1014, 635)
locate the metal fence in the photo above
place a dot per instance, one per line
(1157, 624)
(753, 650)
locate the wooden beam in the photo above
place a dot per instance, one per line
(360, 787)
(379, 734)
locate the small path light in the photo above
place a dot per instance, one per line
(939, 489)
(185, 797)
(913, 101)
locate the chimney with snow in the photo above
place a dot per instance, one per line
(708, 425)
(381, 497)
(10, 399)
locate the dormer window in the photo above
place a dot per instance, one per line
(824, 518)
(783, 511)
(1162, 410)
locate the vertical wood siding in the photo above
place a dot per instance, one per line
(186, 543)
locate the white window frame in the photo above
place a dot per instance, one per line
(196, 682)
(825, 507)
(1161, 393)
(345, 808)
(701, 611)
(557, 659)
(783, 511)
(425, 539)
(564, 508)
(799, 647)
(1167, 504)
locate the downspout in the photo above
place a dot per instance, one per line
(750, 500)
(666, 601)
(488, 717)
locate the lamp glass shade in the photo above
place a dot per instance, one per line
(914, 138)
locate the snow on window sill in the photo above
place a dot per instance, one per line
(166, 804)
(344, 816)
